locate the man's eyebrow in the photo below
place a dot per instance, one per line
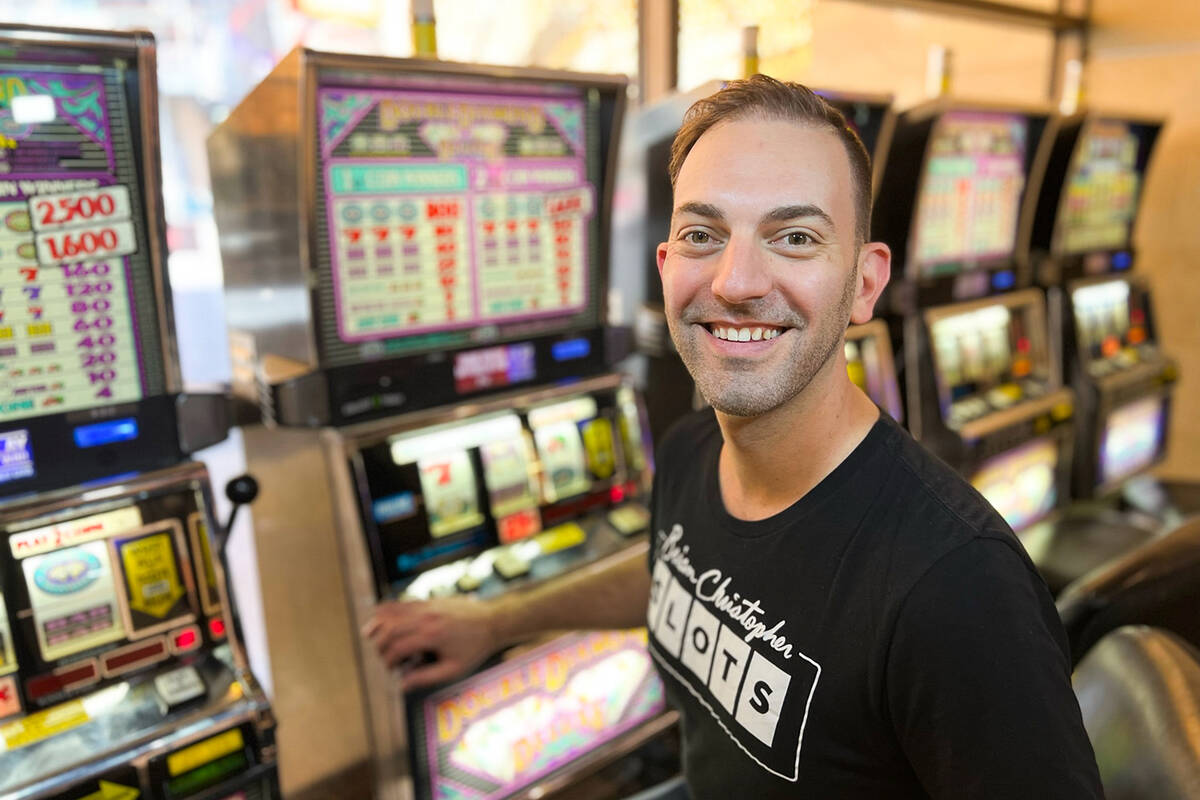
(785, 213)
(701, 210)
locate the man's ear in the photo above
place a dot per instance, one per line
(874, 270)
(661, 254)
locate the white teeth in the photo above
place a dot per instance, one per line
(745, 334)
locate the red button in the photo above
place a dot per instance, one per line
(216, 627)
(616, 494)
(186, 639)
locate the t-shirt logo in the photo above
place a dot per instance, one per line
(714, 641)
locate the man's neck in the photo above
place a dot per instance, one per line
(770, 461)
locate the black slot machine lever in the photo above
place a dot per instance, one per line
(241, 491)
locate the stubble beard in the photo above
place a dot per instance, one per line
(741, 387)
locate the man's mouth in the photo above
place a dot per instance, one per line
(744, 333)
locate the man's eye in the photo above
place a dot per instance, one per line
(697, 237)
(797, 239)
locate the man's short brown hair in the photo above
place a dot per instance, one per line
(767, 98)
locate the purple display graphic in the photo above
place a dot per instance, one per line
(507, 727)
(452, 210)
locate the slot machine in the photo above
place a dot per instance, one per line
(642, 219)
(415, 257)
(983, 383)
(1081, 245)
(121, 670)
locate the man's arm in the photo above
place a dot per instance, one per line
(460, 632)
(979, 685)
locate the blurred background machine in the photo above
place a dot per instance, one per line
(983, 383)
(642, 219)
(121, 672)
(1081, 246)
(416, 262)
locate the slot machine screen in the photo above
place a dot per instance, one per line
(970, 193)
(1020, 484)
(1101, 195)
(78, 314)
(1111, 320)
(1133, 438)
(455, 210)
(982, 358)
(505, 728)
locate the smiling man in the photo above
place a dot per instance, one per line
(835, 613)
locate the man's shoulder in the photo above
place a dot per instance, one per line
(932, 502)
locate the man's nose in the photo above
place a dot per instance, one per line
(742, 273)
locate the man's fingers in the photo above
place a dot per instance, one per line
(429, 675)
(401, 648)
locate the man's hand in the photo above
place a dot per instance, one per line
(459, 632)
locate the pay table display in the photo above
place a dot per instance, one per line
(447, 208)
(1101, 196)
(970, 195)
(73, 263)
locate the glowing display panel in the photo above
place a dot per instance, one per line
(983, 359)
(503, 729)
(449, 208)
(1020, 483)
(1101, 194)
(73, 594)
(76, 290)
(970, 194)
(1132, 439)
(1111, 322)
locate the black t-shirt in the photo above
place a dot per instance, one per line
(884, 637)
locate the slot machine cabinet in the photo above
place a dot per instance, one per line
(120, 662)
(1081, 247)
(119, 652)
(990, 401)
(431, 241)
(642, 219)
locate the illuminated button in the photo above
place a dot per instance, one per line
(216, 628)
(1062, 411)
(185, 640)
(616, 494)
(560, 537)
(179, 686)
(509, 565)
(10, 700)
(629, 519)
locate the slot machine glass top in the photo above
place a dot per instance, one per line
(970, 193)
(1100, 199)
(453, 210)
(83, 351)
